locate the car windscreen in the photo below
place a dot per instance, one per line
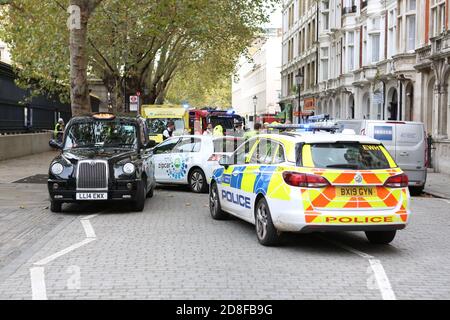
(349, 155)
(226, 144)
(157, 126)
(102, 134)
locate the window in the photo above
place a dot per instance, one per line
(242, 153)
(411, 32)
(351, 51)
(266, 151)
(349, 156)
(437, 17)
(375, 43)
(166, 147)
(188, 145)
(325, 15)
(324, 62)
(391, 33)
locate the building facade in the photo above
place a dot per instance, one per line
(4, 53)
(376, 59)
(259, 77)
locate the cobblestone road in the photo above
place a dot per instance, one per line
(174, 250)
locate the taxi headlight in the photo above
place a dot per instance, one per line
(57, 169)
(129, 168)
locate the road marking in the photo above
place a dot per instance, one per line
(38, 289)
(446, 201)
(63, 252)
(381, 277)
(88, 229)
(37, 273)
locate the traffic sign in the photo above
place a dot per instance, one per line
(134, 103)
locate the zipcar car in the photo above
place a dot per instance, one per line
(103, 158)
(191, 160)
(312, 182)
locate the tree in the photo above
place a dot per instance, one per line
(133, 45)
(81, 11)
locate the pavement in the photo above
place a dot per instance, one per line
(174, 250)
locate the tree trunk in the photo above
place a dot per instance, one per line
(78, 23)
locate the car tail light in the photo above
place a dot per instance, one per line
(303, 180)
(214, 157)
(400, 181)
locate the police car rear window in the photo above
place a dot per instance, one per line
(354, 156)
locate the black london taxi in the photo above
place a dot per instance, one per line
(103, 158)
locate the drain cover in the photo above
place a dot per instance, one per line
(36, 179)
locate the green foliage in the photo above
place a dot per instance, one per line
(143, 43)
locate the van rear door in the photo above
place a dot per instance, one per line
(411, 150)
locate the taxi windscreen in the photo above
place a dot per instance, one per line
(349, 155)
(104, 134)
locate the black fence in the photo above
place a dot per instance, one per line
(41, 114)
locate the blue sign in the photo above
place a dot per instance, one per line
(384, 133)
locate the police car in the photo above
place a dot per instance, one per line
(191, 160)
(307, 182)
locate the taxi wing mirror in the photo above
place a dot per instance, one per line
(55, 144)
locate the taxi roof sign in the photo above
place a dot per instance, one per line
(103, 116)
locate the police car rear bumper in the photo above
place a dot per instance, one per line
(321, 228)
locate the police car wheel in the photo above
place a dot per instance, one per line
(197, 181)
(141, 195)
(380, 237)
(265, 230)
(214, 204)
(56, 206)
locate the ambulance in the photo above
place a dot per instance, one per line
(312, 181)
(158, 116)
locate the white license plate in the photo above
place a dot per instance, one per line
(92, 196)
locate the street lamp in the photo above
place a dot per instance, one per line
(255, 103)
(299, 79)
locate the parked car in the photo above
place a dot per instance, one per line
(191, 160)
(312, 183)
(103, 158)
(406, 142)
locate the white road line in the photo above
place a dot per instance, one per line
(37, 273)
(88, 229)
(446, 201)
(382, 280)
(38, 289)
(380, 274)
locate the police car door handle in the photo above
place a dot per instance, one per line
(235, 174)
(404, 154)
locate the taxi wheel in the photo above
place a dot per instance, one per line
(197, 181)
(214, 204)
(380, 237)
(141, 195)
(265, 230)
(56, 206)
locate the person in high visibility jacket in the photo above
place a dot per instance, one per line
(59, 130)
(218, 131)
(256, 131)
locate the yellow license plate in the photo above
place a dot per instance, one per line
(356, 192)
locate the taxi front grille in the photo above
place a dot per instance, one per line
(92, 175)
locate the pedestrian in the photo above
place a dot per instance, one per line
(239, 130)
(218, 131)
(209, 130)
(250, 134)
(168, 133)
(59, 130)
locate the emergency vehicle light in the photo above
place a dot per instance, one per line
(400, 181)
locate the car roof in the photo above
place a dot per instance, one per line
(319, 137)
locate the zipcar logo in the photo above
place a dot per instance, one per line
(238, 199)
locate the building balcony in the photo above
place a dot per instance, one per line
(423, 58)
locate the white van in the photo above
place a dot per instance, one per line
(406, 141)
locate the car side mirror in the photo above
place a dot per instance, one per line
(226, 161)
(150, 144)
(55, 144)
